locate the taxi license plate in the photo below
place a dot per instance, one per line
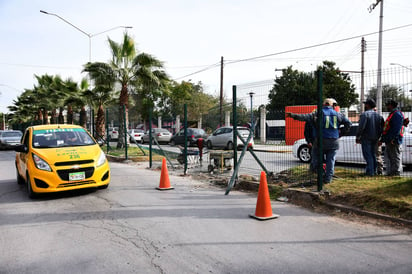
(77, 176)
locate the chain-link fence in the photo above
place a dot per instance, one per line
(280, 144)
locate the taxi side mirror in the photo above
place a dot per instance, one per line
(21, 148)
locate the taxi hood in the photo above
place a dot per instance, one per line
(69, 154)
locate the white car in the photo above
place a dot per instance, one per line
(113, 133)
(223, 138)
(136, 135)
(349, 151)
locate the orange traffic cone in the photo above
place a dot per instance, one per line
(263, 206)
(164, 177)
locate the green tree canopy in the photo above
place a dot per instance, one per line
(300, 88)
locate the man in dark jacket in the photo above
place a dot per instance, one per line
(368, 134)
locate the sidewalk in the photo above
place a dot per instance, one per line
(277, 148)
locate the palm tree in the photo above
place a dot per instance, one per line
(130, 70)
(77, 101)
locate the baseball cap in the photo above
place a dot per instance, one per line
(370, 102)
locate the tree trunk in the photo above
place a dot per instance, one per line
(61, 117)
(53, 119)
(39, 117)
(83, 117)
(100, 123)
(45, 117)
(123, 115)
(69, 114)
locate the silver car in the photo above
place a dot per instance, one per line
(160, 134)
(10, 138)
(223, 138)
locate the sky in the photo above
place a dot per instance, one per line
(192, 35)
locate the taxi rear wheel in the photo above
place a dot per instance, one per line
(30, 191)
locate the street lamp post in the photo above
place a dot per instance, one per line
(89, 35)
(85, 33)
(251, 109)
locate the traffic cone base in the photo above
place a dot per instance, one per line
(263, 205)
(164, 188)
(274, 216)
(164, 178)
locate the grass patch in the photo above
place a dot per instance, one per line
(136, 153)
(387, 195)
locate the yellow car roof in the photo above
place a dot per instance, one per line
(55, 126)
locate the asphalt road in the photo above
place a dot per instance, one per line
(133, 228)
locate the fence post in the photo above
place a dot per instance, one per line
(150, 138)
(107, 131)
(185, 147)
(234, 106)
(92, 122)
(319, 133)
(125, 131)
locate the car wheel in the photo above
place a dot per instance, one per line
(304, 154)
(20, 179)
(209, 145)
(172, 143)
(230, 146)
(142, 141)
(30, 191)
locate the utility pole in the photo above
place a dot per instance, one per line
(363, 49)
(379, 80)
(221, 92)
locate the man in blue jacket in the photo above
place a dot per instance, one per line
(392, 136)
(330, 132)
(368, 135)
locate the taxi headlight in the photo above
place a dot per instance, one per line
(101, 160)
(40, 163)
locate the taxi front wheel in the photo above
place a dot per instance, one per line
(20, 179)
(30, 191)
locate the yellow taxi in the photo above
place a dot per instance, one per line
(53, 158)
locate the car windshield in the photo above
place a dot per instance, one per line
(11, 134)
(61, 137)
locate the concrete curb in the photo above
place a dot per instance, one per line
(311, 199)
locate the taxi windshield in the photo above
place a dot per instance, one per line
(61, 137)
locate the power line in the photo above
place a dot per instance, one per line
(292, 50)
(317, 45)
(199, 71)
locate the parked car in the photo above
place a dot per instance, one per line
(193, 134)
(349, 151)
(160, 134)
(223, 138)
(10, 138)
(136, 135)
(54, 158)
(113, 133)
